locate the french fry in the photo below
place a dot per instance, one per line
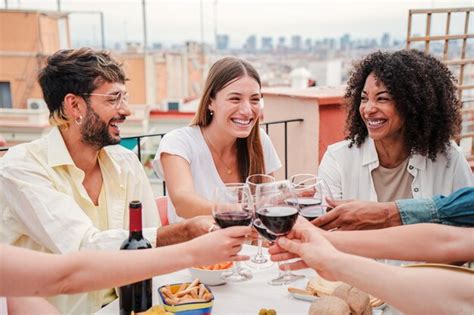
(167, 292)
(182, 287)
(220, 266)
(194, 283)
(171, 301)
(202, 290)
(184, 292)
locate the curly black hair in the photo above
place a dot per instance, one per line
(424, 93)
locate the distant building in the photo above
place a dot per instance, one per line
(251, 44)
(281, 46)
(267, 44)
(308, 44)
(157, 46)
(385, 40)
(32, 36)
(345, 42)
(27, 38)
(296, 43)
(222, 42)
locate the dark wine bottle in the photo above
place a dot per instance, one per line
(136, 296)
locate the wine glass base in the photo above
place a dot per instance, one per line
(259, 262)
(285, 279)
(242, 275)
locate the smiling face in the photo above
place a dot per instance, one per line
(378, 111)
(236, 107)
(101, 124)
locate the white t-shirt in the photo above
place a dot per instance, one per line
(188, 143)
(3, 306)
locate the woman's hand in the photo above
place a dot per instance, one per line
(219, 246)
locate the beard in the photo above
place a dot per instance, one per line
(95, 131)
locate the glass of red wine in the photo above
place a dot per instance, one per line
(275, 217)
(311, 193)
(233, 206)
(259, 261)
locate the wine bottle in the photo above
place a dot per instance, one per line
(136, 296)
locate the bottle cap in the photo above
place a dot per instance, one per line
(135, 204)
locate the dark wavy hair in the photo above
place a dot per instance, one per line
(424, 93)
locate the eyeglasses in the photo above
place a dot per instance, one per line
(116, 100)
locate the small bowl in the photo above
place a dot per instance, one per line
(209, 277)
(191, 308)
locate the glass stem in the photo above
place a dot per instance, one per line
(282, 273)
(259, 244)
(237, 267)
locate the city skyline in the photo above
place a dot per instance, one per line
(176, 21)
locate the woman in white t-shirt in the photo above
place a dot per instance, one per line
(224, 143)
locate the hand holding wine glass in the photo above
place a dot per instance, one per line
(259, 261)
(233, 206)
(277, 215)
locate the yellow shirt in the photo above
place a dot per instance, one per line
(45, 207)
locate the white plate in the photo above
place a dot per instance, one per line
(312, 298)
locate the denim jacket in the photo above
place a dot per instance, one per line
(455, 209)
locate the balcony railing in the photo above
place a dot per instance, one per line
(136, 141)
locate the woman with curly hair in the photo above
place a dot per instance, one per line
(403, 113)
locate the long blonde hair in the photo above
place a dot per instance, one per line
(249, 150)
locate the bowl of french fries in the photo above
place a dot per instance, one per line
(187, 298)
(212, 274)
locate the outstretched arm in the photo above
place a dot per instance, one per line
(28, 273)
(417, 291)
(418, 242)
(180, 186)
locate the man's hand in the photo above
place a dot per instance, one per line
(359, 215)
(307, 243)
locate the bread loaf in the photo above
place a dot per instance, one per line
(358, 301)
(329, 305)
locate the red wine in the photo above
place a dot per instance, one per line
(303, 201)
(263, 231)
(313, 212)
(233, 218)
(278, 219)
(137, 296)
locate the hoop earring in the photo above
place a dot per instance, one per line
(78, 120)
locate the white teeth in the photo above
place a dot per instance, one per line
(241, 121)
(376, 123)
(115, 126)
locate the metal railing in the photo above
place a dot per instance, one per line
(138, 140)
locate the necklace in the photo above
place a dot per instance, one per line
(229, 170)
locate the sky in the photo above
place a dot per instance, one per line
(176, 21)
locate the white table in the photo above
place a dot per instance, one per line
(246, 297)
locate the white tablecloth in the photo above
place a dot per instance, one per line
(246, 297)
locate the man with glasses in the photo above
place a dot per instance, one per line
(70, 189)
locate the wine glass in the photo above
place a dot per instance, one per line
(277, 217)
(233, 206)
(311, 193)
(259, 261)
